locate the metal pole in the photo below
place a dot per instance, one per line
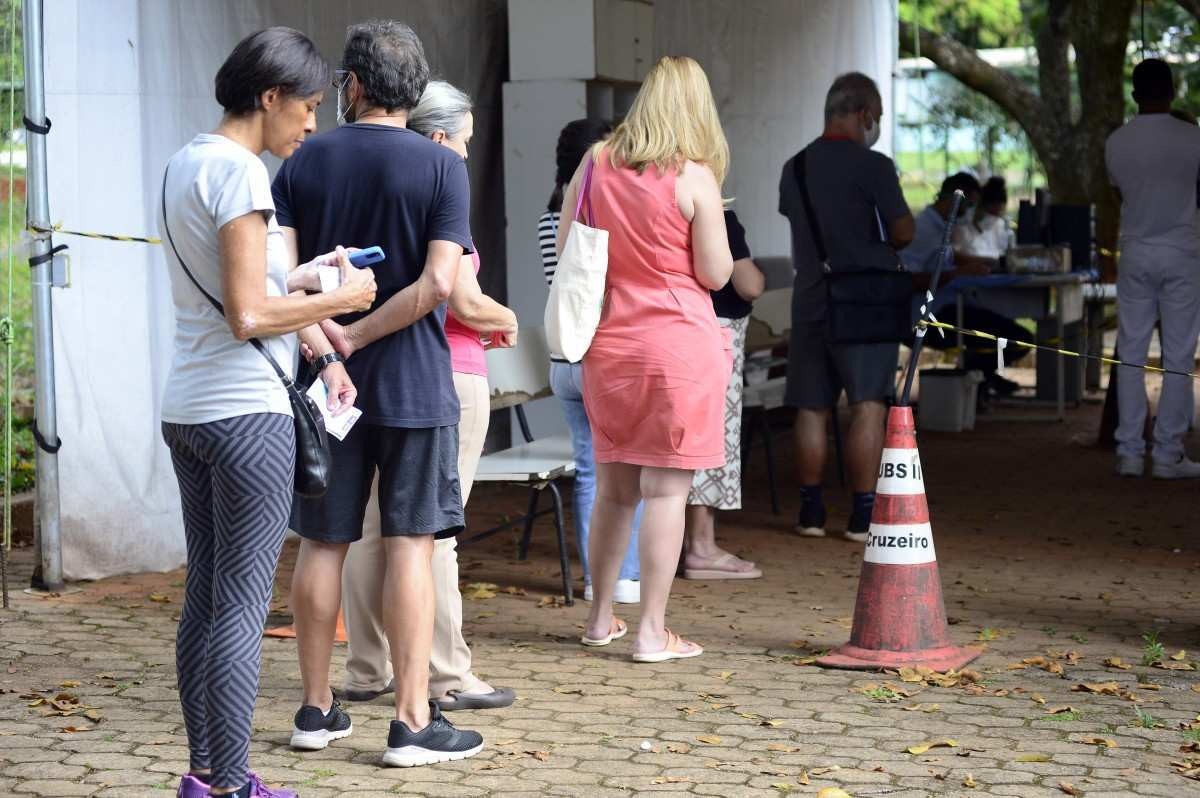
(38, 204)
(927, 306)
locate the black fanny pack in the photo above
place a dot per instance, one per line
(864, 305)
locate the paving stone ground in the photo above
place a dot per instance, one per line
(1042, 553)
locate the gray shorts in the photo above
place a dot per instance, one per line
(819, 371)
(419, 493)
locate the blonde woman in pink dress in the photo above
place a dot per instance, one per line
(654, 378)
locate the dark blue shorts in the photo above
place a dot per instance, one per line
(419, 493)
(819, 371)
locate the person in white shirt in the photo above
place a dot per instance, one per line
(984, 233)
(1154, 163)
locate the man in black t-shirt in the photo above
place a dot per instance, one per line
(373, 182)
(863, 220)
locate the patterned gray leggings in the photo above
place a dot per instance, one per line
(235, 478)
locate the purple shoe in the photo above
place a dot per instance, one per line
(260, 790)
(191, 787)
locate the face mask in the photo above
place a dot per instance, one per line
(344, 110)
(871, 134)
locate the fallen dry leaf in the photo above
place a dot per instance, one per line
(833, 792)
(787, 749)
(709, 739)
(1058, 710)
(802, 777)
(540, 756)
(1175, 666)
(1179, 656)
(69, 684)
(680, 748)
(1069, 788)
(823, 771)
(1033, 757)
(1037, 699)
(480, 591)
(922, 708)
(726, 675)
(672, 780)
(1104, 741)
(1102, 688)
(513, 590)
(1116, 662)
(552, 602)
(921, 748)
(568, 690)
(159, 598)
(969, 781)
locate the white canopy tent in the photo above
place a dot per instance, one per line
(129, 81)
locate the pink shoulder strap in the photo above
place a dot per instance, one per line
(585, 190)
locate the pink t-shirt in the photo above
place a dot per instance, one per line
(466, 349)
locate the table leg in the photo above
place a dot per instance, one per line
(1060, 371)
(958, 336)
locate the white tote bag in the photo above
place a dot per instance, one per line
(577, 293)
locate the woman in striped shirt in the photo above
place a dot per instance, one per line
(566, 379)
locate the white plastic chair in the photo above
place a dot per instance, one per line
(517, 376)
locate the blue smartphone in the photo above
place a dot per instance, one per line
(366, 257)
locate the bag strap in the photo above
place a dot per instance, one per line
(257, 344)
(814, 225)
(585, 190)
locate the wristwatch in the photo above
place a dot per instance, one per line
(324, 360)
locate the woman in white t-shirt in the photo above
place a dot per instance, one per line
(984, 233)
(225, 414)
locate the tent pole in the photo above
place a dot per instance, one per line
(38, 204)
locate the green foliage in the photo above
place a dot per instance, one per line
(1172, 33)
(979, 23)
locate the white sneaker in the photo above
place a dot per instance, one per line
(1182, 469)
(1130, 466)
(628, 591)
(857, 537)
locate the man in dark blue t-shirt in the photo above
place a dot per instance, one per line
(373, 182)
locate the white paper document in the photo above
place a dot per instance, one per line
(338, 426)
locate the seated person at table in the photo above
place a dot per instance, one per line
(920, 258)
(984, 233)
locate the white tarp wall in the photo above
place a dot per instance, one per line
(127, 84)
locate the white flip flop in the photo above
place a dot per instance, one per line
(670, 651)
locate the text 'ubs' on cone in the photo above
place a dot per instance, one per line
(899, 616)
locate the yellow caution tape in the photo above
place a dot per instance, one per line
(1065, 352)
(58, 228)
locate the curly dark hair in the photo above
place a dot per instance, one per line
(389, 60)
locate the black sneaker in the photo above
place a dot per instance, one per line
(810, 523)
(315, 729)
(437, 742)
(858, 528)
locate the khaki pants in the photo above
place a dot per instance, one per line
(369, 665)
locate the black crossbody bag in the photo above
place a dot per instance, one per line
(313, 458)
(865, 304)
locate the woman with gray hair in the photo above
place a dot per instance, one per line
(443, 115)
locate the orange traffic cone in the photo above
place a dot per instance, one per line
(899, 617)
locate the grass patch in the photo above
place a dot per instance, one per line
(1064, 717)
(1144, 720)
(317, 775)
(1152, 649)
(1192, 734)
